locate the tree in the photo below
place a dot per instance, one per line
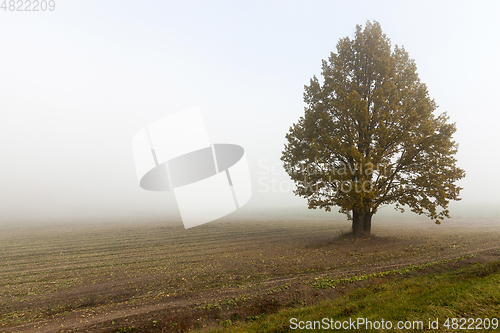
(369, 136)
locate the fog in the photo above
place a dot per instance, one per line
(78, 82)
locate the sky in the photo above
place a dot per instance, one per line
(78, 82)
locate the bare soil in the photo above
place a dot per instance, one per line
(158, 277)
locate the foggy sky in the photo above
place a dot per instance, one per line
(77, 83)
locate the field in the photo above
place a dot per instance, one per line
(452, 296)
(158, 277)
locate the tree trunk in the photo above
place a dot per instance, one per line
(358, 222)
(361, 224)
(354, 221)
(367, 228)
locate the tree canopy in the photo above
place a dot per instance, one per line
(370, 137)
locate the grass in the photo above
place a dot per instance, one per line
(326, 282)
(465, 294)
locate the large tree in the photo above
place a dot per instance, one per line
(369, 136)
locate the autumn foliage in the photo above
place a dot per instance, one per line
(370, 136)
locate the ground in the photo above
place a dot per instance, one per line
(157, 277)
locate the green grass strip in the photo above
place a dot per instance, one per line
(468, 293)
(326, 282)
